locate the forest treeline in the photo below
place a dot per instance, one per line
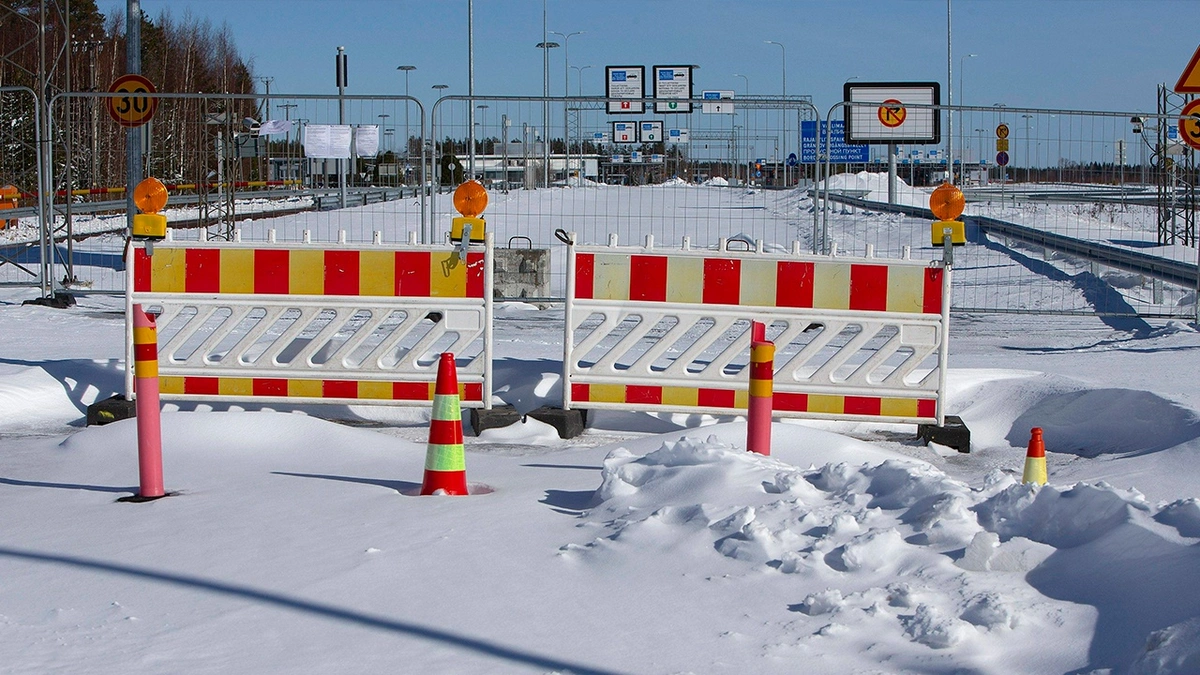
(179, 54)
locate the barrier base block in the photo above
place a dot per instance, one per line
(60, 300)
(568, 423)
(499, 416)
(138, 499)
(113, 409)
(953, 434)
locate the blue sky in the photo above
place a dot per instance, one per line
(1074, 54)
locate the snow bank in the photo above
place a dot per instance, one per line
(896, 553)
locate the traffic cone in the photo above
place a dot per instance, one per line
(445, 465)
(1035, 459)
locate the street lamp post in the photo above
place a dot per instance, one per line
(961, 101)
(546, 46)
(407, 70)
(783, 63)
(579, 80)
(566, 80)
(747, 83)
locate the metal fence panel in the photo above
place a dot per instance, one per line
(21, 240)
(234, 162)
(1085, 216)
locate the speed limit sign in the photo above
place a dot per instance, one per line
(134, 108)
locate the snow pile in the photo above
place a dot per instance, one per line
(895, 554)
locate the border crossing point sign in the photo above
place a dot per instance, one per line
(840, 152)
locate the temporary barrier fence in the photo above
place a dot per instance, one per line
(242, 161)
(669, 331)
(316, 322)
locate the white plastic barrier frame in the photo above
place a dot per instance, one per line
(668, 330)
(314, 322)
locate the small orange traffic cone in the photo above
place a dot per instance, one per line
(1035, 459)
(445, 465)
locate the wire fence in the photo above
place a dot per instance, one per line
(736, 171)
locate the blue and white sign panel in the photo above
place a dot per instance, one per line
(673, 83)
(625, 82)
(624, 132)
(840, 152)
(680, 136)
(650, 132)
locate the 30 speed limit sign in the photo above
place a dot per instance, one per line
(134, 108)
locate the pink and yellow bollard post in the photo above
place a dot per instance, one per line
(762, 377)
(149, 421)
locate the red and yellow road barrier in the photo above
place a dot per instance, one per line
(149, 421)
(762, 378)
(445, 463)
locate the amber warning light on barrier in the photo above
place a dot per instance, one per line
(947, 203)
(150, 196)
(470, 199)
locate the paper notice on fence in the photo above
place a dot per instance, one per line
(327, 141)
(366, 140)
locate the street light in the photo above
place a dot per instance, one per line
(566, 92)
(961, 102)
(546, 46)
(407, 70)
(579, 79)
(747, 83)
(783, 63)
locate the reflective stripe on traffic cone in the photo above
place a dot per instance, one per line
(445, 465)
(1035, 459)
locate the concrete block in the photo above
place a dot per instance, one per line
(568, 423)
(110, 410)
(953, 434)
(498, 417)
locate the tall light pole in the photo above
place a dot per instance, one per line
(949, 98)
(407, 70)
(471, 83)
(546, 46)
(566, 80)
(783, 64)
(579, 79)
(961, 101)
(747, 83)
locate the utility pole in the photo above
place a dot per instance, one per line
(133, 137)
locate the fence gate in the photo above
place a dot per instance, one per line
(655, 330)
(310, 322)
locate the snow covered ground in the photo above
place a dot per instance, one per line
(651, 544)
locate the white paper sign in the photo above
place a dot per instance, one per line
(366, 140)
(327, 141)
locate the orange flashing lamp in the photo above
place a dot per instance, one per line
(150, 196)
(470, 199)
(947, 203)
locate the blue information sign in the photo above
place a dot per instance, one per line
(840, 152)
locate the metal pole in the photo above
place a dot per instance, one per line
(949, 100)
(407, 70)
(133, 137)
(546, 95)
(892, 174)
(783, 63)
(341, 85)
(471, 83)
